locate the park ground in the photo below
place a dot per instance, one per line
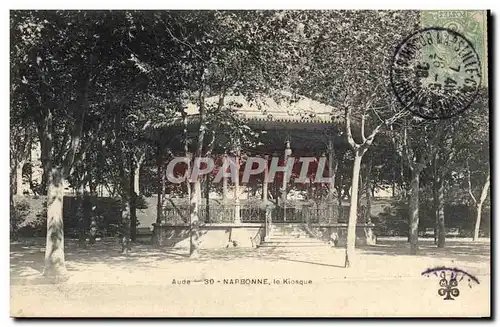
(383, 281)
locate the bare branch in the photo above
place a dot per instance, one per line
(83, 151)
(185, 43)
(141, 158)
(376, 114)
(374, 133)
(368, 140)
(408, 153)
(221, 99)
(350, 139)
(76, 134)
(484, 192)
(363, 121)
(138, 160)
(202, 126)
(397, 145)
(469, 185)
(211, 144)
(400, 114)
(433, 149)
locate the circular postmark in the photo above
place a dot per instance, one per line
(436, 73)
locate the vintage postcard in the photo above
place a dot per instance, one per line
(250, 163)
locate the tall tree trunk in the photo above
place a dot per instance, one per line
(19, 177)
(80, 216)
(163, 182)
(237, 194)
(402, 179)
(90, 180)
(124, 186)
(436, 211)
(54, 252)
(125, 229)
(413, 207)
(89, 217)
(138, 160)
(339, 200)
(198, 190)
(137, 172)
(332, 169)
(46, 151)
(441, 237)
(195, 196)
(224, 188)
(12, 178)
(393, 183)
(360, 193)
(159, 174)
(30, 172)
(132, 202)
(351, 228)
(368, 192)
(133, 217)
(207, 199)
(125, 207)
(435, 195)
(13, 223)
(54, 247)
(83, 205)
(479, 207)
(194, 218)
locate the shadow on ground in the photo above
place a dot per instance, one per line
(455, 249)
(27, 258)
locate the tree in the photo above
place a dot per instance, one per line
(419, 140)
(478, 202)
(62, 62)
(219, 54)
(443, 162)
(474, 155)
(21, 140)
(357, 82)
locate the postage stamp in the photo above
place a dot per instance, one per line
(472, 24)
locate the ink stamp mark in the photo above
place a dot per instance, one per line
(436, 73)
(449, 287)
(449, 280)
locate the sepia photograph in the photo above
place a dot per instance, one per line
(250, 163)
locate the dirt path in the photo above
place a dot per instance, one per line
(312, 282)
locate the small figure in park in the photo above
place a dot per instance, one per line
(92, 230)
(125, 230)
